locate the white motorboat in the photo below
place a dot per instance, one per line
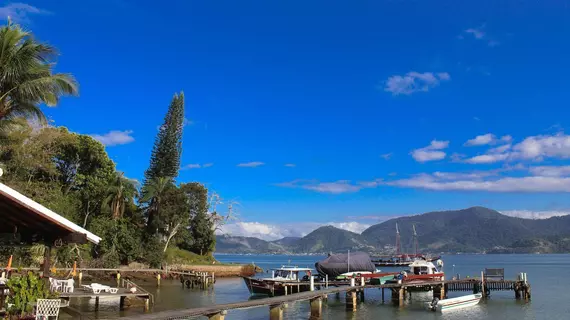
(455, 303)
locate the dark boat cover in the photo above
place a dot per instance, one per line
(337, 264)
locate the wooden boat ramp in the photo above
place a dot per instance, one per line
(354, 294)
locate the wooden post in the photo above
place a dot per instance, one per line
(442, 293)
(361, 295)
(118, 278)
(401, 296)
(316, 308)
(147, 304)
(217, 316)
(285, 289)
(327, 281)
(351, 301)
(122, 303)
(382, 294)
(213, 277)
(362, 281)
(312, 283)
(47, 262)
(276, 312)
(483, 285)
(80, 277)
(96, 303)
(352, 282)
(158, 280)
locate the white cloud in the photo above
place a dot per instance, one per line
(386, 156)
(487, 158)
(415, 82)
(114, 138)
(335, 187)
(550, 171)
(464, 175)
(432, 152)
(476, 32)
(187, 122)
(481, 140)
(272, 232)
(543, 146)
(500, 149)
(501, 184)
(528, 214)
(290, 165)
(19, 12)
(251, 164)
(197, 166)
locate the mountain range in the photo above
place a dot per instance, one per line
(471, 230)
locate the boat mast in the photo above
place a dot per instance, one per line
(415, 239)
(397, 240)
(348, 262)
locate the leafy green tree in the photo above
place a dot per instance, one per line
(201, 226)
(165, 158)
(119, 193)
(153, 194)
(121, 241)
(175, 213)
(26, 76)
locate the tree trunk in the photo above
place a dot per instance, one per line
(86, 215)
(171, 235)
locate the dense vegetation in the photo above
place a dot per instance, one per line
(73, 175)
(474, 229)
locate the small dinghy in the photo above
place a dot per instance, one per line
(455, 303)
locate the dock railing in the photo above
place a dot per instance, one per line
(128, 284)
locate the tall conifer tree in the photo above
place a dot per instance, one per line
(165, 158)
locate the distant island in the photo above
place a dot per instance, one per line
(471, 230)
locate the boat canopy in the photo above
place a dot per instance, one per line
(337, 264)
(293, 268)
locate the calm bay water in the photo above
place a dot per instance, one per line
(546, 273)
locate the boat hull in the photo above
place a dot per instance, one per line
(458, 303)
(272, 288)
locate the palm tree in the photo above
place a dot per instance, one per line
(120, 192)
(26, 76)
(153, 193)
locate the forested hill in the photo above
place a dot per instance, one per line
(475, 229)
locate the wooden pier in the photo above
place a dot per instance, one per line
(123, 294)
(354, 295)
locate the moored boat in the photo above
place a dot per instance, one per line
(274, 286)
(455, 303)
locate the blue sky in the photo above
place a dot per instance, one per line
(313, 112)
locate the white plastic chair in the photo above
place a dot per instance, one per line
(55, 285)
(47, 309)
(68, 285)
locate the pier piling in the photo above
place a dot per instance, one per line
(122, 303)
(218, 316)
(316, 308)
(351, 301)
(276, 312)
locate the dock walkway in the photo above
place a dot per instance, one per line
(398, 290)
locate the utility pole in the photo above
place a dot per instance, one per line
(398, 246)
(415, 239)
